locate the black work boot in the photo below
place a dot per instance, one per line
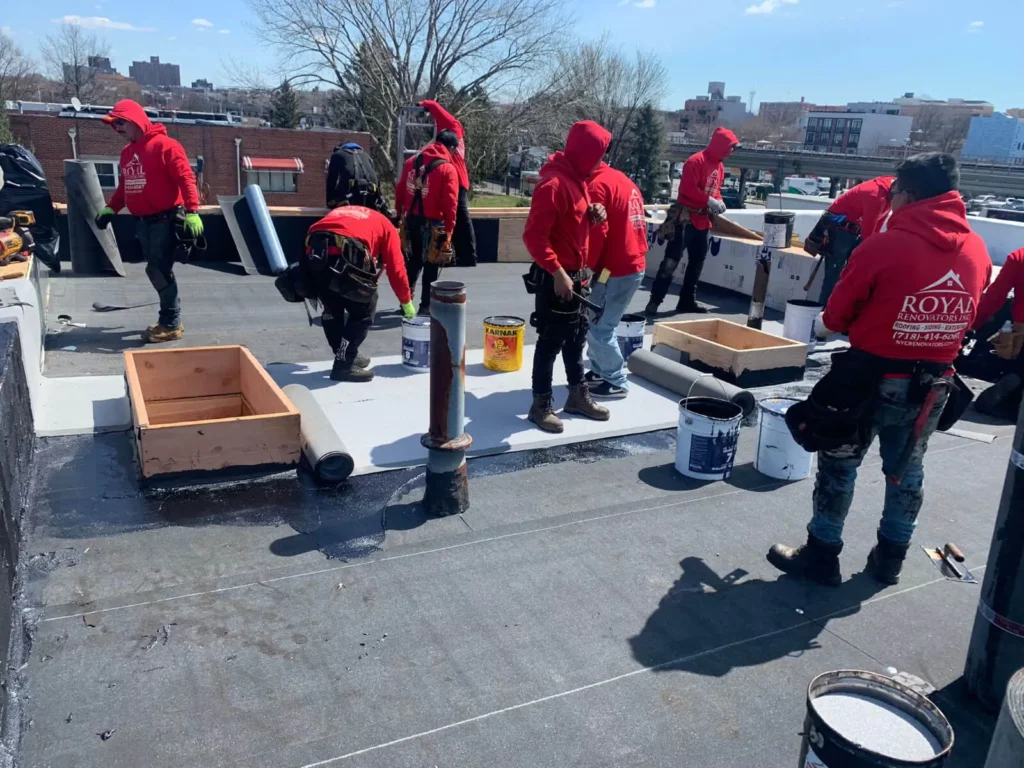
(885, 561)
(361, 361)
(651, 310)
(347, 370)
(581, 403)
(543, 415)
(816, 561)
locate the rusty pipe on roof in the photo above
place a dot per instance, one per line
(447, 491)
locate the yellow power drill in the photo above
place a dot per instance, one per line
(16, 241)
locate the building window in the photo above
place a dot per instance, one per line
(840, 122)
(837, 139)
(826, 122)
(273, 181)
(107, 169)
(812, 122)
(823, 138)
(810, 138)
(852, 142)
(856, 124)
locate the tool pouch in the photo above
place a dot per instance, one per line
(440, 250)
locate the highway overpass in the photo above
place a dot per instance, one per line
(975, 178)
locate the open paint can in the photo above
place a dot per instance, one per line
(416, 343)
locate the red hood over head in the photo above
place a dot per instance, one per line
(435, 151)
(584, 147)
(941, 221)
(722, 140)
(133, 112)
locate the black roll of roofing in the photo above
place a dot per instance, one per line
(93, 250)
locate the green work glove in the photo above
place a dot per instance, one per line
(409, 310)
(193, 225)
(104, 217)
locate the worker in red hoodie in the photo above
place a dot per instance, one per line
(1002, 395)
(427, 199)
(158, 187)
(557, 235)
(465, 236)
(700, 198)
(855, 215)
(339, 269)
(906, 299)
(618, 259)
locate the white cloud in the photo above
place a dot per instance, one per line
(223, 31)
(977, 23)
(645, 3)
(974, 28)
(172, 38)
(768, 6)
(201, 25)
(101, 22)
(6, 31)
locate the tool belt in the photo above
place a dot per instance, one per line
(436, 243)
(439, 251)
(550, 308)
(841, 407)
(341, 265)
(835, 235)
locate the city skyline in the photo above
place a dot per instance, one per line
(736, 44)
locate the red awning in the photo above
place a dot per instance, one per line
(292, 164)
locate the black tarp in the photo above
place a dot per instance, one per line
(25, 188)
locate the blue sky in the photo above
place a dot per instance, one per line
(829, 51)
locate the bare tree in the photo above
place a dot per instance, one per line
(938, 128)
(604, 84)
(407, 50)
(15, 70)
(67, 53)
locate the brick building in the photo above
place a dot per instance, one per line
(289, 165)
(152, 72)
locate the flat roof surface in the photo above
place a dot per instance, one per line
(592, 608)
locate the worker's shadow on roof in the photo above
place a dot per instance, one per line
(710, 624)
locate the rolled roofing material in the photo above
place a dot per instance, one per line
(686, 381)
(93, 250)
(265, 226)
(326, 454)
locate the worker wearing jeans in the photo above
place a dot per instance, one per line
(618, 258)
(837, 470)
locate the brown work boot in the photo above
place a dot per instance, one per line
(581, 403)
(157, 334)
(815, 561)
(543, 415)
(346, 370)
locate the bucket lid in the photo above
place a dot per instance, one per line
(777, 405)
(713, 408)
(634, 319)
(779, 217)
(504, 321)
(804, 303)
(415, 322)
(875, 714)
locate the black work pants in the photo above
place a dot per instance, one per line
(346, 324)
(695, 241)
(157, 239)
(561, 328)
(465, 235)
(418, 231)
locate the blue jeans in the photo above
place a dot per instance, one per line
(602, 346)
(837, 470)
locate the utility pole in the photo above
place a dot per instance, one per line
(996, 651)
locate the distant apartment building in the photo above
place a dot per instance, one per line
(701, 115)
(998, 138)
(101, 65)
(855, 133)
(202, 85)
(874, 107)
(152, 72)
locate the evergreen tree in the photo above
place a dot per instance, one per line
(285, 107)
(6, 137)
(643, 161)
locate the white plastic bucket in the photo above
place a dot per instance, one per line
(778, 454)
(706, 438)
(416, 343)
(630, 334)
(798, 324)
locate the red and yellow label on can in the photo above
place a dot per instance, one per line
(503, 343)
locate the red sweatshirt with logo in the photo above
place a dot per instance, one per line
(865, 205)
(911, 292)
(620, 246)
(155, 173)
(444, 120)
(1010, 278)
(440, 187)
(558, 229)
(703, 174)
(380, 236)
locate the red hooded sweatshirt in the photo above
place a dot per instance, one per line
(911, 292)
(703, 174)
(440, 188)
(1011, 277)
(557, 228)
(865, 205)
(621, 246)
(155, 174)
(380, 236)
(444, 120)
